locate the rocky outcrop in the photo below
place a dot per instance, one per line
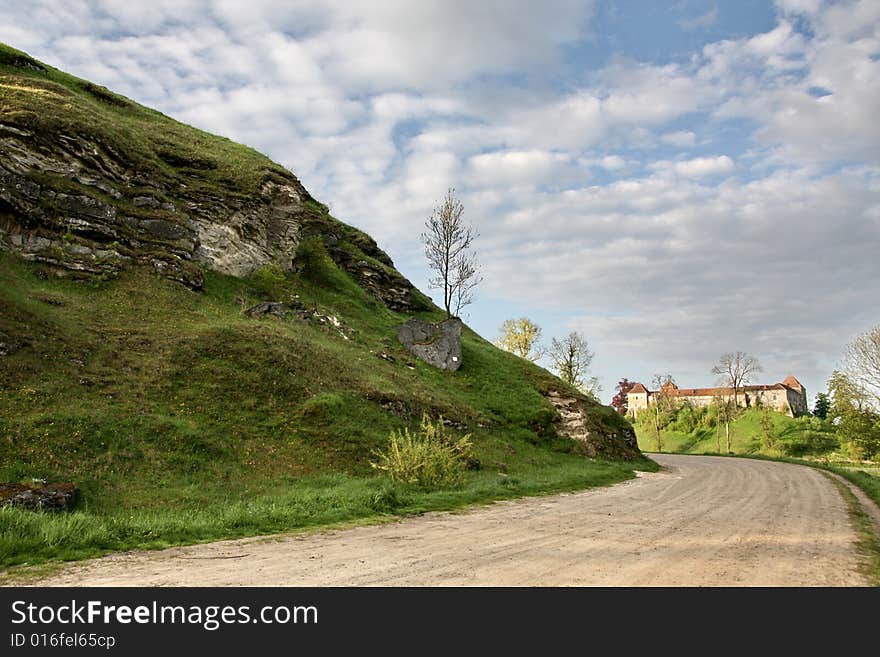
(52, 497)
(109, 225)
(438, 344)
(376, 275)
(267, 308)
(596, 439)
(82, 201)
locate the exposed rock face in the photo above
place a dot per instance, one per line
(78, 202)
(86, 234)
(437, 344)
(597, 439)
(53, 497)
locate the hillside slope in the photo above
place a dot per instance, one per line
(133, 244)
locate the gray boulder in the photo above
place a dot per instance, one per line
(438, 344)
(267, 308)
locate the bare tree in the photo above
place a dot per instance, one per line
(862, 363)
(447, 242)
(520, 337)
(736, 370)
(465, 280)
(571, 357)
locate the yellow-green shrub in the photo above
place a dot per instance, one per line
(430, 458)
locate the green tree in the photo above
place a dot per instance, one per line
(822, 405)
(857, 422)
(860, 431)
(520, 337)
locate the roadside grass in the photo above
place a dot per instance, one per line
(868, 544)
(28, 538)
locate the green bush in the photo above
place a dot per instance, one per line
(810, 442)
(430, 458)
(859, 430)
(311, 259)
(267, 282)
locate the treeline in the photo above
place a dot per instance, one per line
(684, 427)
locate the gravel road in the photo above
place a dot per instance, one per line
(702, 521)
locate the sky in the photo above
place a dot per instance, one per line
(674, 180)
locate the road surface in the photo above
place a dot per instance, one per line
(702, 521)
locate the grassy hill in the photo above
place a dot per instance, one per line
(759, 433)
(750, 433)
(185, 420)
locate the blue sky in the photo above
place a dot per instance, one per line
(674, 180)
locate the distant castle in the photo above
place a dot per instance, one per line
(788, 397)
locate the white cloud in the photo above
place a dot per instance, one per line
(434, 42)
(799, 6)
(697, 167)
(700, 22)
(529, 167)
(680, 138)
(612, 162)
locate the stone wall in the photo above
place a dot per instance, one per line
(784, 400)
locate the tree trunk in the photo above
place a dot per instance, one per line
(657, 430)
(727, 432)
(718, 434)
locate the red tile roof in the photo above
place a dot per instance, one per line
(674, 391)
(791, 382)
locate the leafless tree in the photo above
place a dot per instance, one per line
(447, 242)
(862, 363)
(571, 357)
(465, 280)
(736, 370)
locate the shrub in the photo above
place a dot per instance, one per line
(768, 433)
(859, 430)
(312, 260)
(267, 281)
(810, 442)
(430, 458)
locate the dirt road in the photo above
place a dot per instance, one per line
(701, 521)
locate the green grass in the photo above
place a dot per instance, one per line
(183, 420)
(32, 538)
(746, 435)
(868, 543)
